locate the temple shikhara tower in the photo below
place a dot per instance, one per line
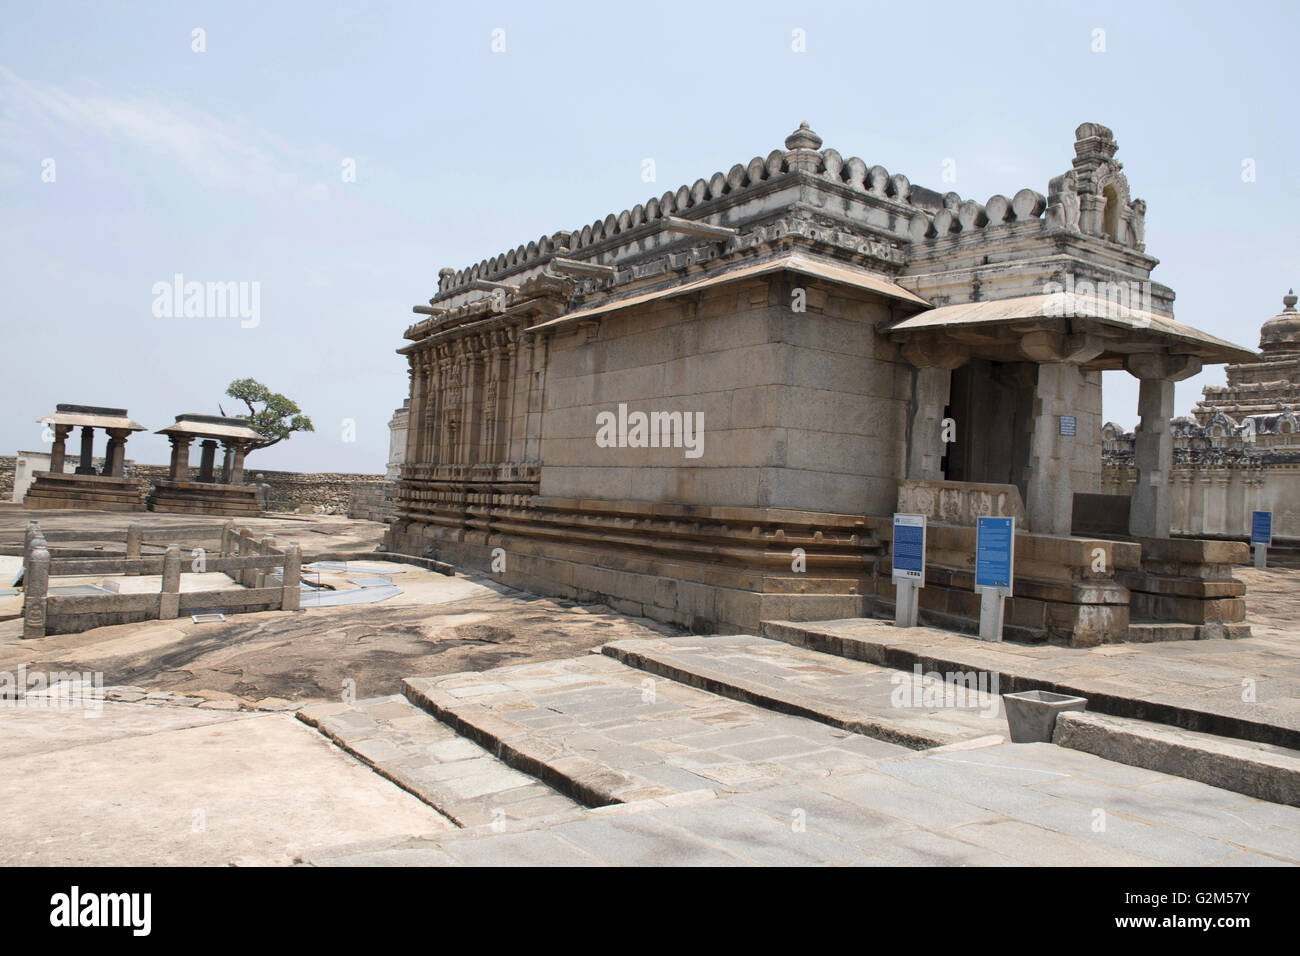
(791, 351)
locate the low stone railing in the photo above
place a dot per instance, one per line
(252, 562)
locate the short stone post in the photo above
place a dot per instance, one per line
(265, 547)
(33, 530)
(133, 540)
(36, 586)
(245, 575)
(292, 579)
(227, 538)
(169, 600)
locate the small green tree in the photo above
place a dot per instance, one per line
(277, 419)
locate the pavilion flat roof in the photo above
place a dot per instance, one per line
(793, 262)
(1143, 325)
(211, 426)
(92, 416)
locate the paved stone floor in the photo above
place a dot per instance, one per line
(655, 731)
(429, 759)
(918, 710)
(1010, 804)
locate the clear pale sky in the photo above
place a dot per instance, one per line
(226, 165)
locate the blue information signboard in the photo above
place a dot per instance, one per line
(1261, 527)
(909, 548)
(994, 553)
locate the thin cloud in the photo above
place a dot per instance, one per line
(218, 154)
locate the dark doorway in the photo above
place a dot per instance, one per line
(992, 405)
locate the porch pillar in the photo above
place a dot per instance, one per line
(1063, 391)
(1050, 482)
(934, 360)
(925, 445)
(415, 417)
(1153, 453)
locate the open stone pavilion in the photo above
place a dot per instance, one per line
(211, 491)
(106, 490)
(820, 320)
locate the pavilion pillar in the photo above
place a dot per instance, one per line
(58, 450)
(85, 467)
(206, 460)
(227, 461)
(236, 476)
(1151, 510)
(115, 456)
(180, 463)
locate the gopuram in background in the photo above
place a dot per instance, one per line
(211, 492)
(86, 488)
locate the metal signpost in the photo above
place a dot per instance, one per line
(995, 545)
(1261, 536)
(909, 567)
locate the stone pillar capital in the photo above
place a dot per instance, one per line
(1162, 366)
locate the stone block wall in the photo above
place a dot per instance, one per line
(803, 410)
(372, 500)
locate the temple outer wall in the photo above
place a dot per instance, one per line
(770, 383)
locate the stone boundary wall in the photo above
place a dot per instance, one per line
(290, 490)
(373, 501)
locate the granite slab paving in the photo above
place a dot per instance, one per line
(606, 733)
(914, 709)
(428, 759)
(1000, 805)
(1247, 689)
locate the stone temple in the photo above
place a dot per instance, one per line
(1239, 450)
(706, 408)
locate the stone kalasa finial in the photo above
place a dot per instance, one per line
(803, 138)
(1289, 300)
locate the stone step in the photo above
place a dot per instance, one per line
(606, 733)
(428, 759)
(1144, 632)
(914, 709)
(1262, 771)
(1019, 667)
